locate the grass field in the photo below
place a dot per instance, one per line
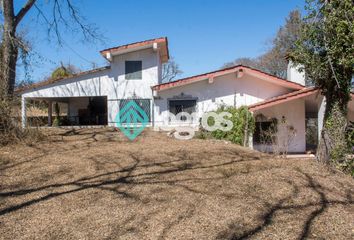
(96, 184)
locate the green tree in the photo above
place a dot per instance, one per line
(326, 51)
(245, 61)
(64, 71)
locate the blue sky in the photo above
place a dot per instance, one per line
(202, 35)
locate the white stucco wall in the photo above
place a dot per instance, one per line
(294, 113)
(294, 75)
(110, 82)
(225, 90)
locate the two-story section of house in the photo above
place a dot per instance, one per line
(94, 97)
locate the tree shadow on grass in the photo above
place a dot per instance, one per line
(267, 217)
(145, 172)
(44, 152)
(114, 183)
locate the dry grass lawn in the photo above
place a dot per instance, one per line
(95, 184)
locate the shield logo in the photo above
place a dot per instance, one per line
(131, 119)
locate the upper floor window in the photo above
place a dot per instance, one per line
(133, 70)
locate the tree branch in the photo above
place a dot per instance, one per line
(24, 11)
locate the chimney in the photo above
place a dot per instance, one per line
(294, 75)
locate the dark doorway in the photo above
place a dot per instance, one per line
(95, 113)
(311, 134)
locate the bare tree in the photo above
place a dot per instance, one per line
(249, 62)
(170, 71)
(63, 15)
(274, 60)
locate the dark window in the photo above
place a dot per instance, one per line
(264, 131)
(177, 106)
(133, 70)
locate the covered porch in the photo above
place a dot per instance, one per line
(288, 123)
(64, 111)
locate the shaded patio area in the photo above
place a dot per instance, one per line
(67, 111)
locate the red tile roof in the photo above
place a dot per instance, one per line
(196, 78)
(162, 40)
(283, 98)
(51, 81)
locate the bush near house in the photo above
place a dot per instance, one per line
(11, 131)
(350, 136)
(243, 126)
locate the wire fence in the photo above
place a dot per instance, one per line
(144, 104)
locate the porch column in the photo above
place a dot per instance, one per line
(50, 113)
(23, 112)
(250, 137)
(250, 141)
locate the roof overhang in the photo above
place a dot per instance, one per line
(284, 98)
(157, 44)
(49, 82)
(238, 70)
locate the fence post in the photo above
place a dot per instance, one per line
(50, 113)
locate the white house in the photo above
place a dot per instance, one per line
(134, 72)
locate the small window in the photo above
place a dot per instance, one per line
(264, 132)
(133, 70)
(177, 106)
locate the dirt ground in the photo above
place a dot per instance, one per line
(96, 184)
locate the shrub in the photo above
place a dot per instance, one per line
(203, 134)
(350, 137)
(243, 125)
(10, 126)
(56, 122)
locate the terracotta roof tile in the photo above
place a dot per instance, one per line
(224, 71)
(283, 98)
(140, 44)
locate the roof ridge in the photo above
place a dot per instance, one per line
(199, 75)
(124, 45)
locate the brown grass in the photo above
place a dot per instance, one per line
(95, 184)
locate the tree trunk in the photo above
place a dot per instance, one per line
(10, 56)
(332, 144)
(10, 48)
